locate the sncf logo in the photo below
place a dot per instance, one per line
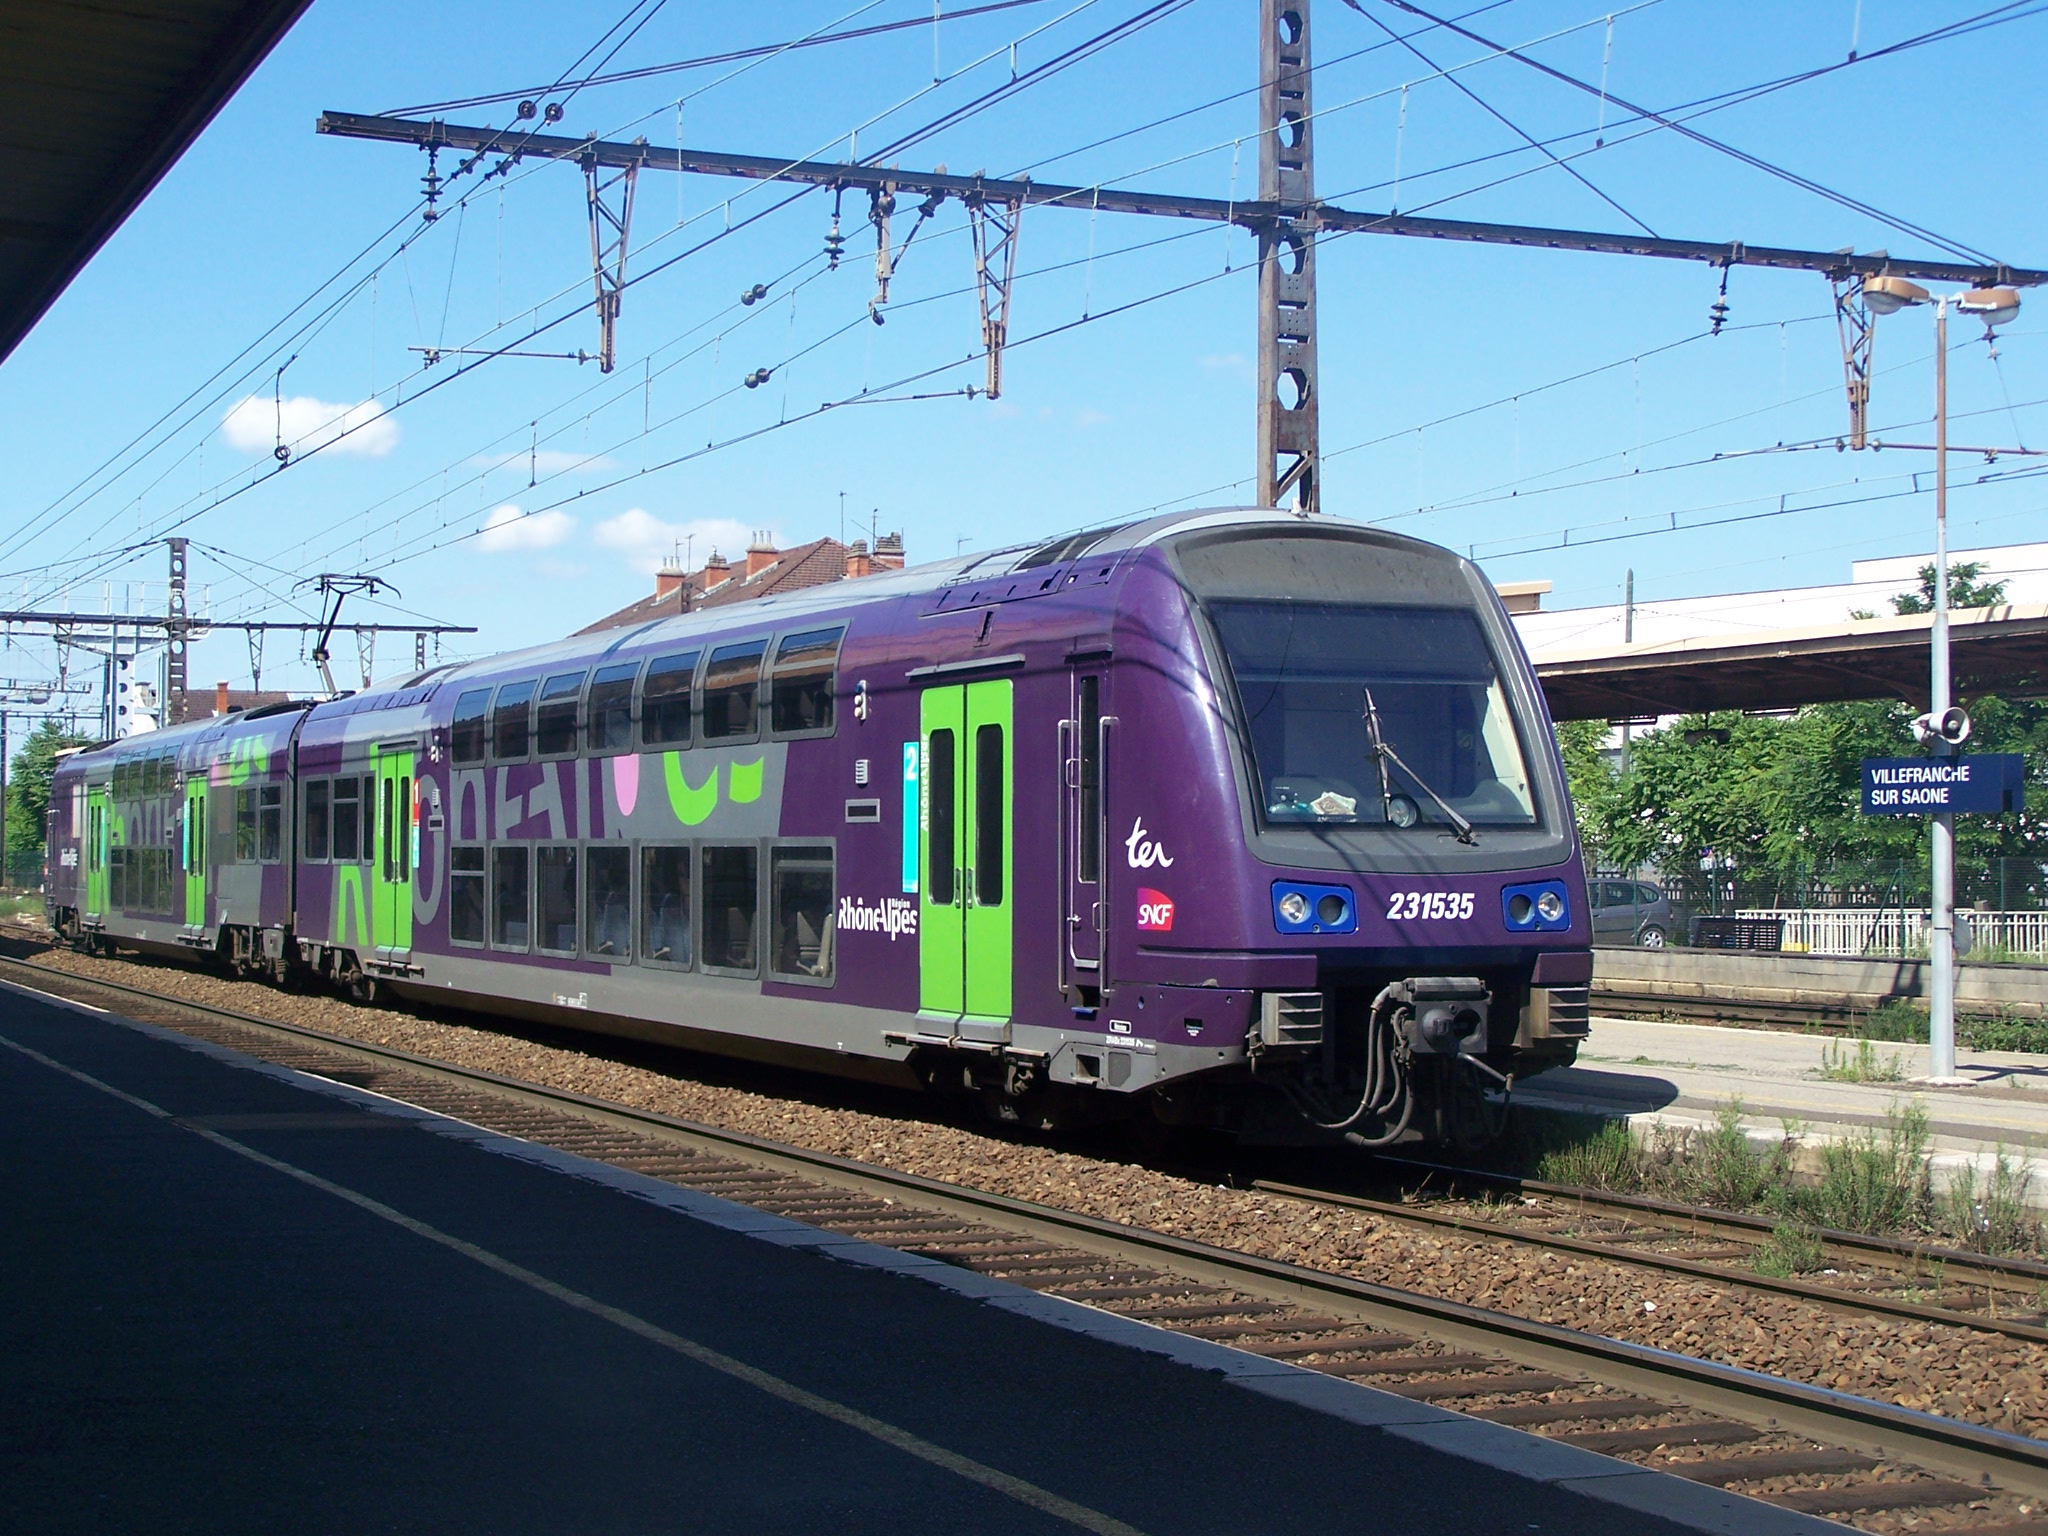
(1155, 911)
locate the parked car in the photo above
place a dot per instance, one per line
(1631, 911)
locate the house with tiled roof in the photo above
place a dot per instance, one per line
(767, 569)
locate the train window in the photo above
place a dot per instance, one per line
(1303, 672)
(665, 700)
(732, 690)
(316, 819)
(466, 735)
(1090, 863)
(512, 722)
(611, 707)
(988, 816)
(938, 841)
(554, 885)
(389, 861)
(511, 894)
(466, 895)
(348, 836)
(245, 824)
(800, 890)
(732, 899)
(804, 676)
(270, 823)
(608, 901)
(665, 904)
(555, 725)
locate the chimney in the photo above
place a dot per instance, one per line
(668, 581)
(858, 561)
(220, 698)
(716, 571)
(889, 552)
(761, 554)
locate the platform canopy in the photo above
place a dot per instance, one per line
(101, 101)
(2002, 650)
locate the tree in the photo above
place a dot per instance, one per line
(1779, 796)
(28, 796)
(1592, 780)
(1964, 590)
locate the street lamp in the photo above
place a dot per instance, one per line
(1993, 306)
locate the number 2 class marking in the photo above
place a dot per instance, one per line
(1430, 906)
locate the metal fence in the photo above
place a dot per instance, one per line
(1998, 885)
(1892, 931)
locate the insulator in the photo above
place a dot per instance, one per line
(1719, 315)
(759, 377)
(553, 112)
(754, 294)
(527, 109)
(835, 245)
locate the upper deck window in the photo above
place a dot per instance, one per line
(611, 707)
(466, 734)
(804, 671)
(732, 690)
(555, 727)
(665, 700)
(512, 722)
(1303, 670)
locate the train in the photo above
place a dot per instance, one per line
(1237, 819)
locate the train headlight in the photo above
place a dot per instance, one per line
(1302, 908)
(1541, 906)
(1402, 811)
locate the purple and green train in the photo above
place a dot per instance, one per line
(1242, 819)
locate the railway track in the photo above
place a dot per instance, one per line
(1889, 1277)
(1868, 1463)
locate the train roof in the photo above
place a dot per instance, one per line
(777, 610)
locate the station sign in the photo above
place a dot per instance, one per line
(1984, 785)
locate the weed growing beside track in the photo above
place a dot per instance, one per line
(1875, 1181)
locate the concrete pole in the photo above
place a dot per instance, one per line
(1941, 948)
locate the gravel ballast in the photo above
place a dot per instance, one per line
(1941, 1369)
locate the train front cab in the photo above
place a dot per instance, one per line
(1369, 830)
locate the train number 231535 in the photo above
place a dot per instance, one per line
(1426, 906)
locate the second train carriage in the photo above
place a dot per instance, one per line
(1258, 817)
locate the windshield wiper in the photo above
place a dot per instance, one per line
(1384, 754)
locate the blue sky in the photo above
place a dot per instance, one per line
(1444, 407)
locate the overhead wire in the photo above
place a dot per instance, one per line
(1117, 32)
(1757, 162)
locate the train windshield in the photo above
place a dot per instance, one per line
(1303, 670)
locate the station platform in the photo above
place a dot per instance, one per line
(1683, 1075)
(237, 1298)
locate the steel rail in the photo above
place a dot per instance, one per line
(1648, 1258)
(1834, 1237)
(2017, 1462)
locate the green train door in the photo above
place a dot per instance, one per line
(391, 872)
(964, 916)
(197, 826)
(96, 852)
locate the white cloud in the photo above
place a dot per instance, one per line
(647, 541)
(255, 423)
(510, 529)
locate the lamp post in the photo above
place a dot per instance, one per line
(1994, 306)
